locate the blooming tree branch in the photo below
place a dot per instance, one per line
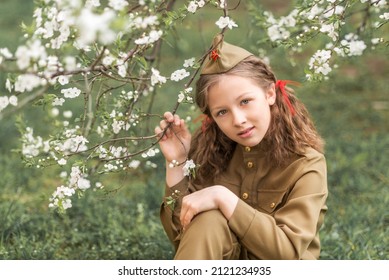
(337, 23)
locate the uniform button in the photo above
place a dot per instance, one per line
(247, 149)
(272, 205)
(250, 164)
(245, 195)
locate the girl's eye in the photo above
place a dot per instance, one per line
(221, 112)
(245, 101)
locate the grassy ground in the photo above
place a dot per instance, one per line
(351, 111)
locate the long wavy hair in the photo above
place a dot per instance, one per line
(288, 134)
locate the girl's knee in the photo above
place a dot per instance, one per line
(210, 227)
(208, 237)
(209, 220)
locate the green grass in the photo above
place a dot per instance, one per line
(122, 221)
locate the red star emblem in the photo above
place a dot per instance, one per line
(214, 55)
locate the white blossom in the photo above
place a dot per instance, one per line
(62, 161)
(73, 144)
(122, 70)
(31, 145)
(189, 167)
(319, 62)
(83, 183)
(178, 75)
(13, 100)
(181, 97)
(201, 3)
(92, 3)
(118, 4)
(226, 22)
(67, 114)
(192, 7)
(134, 164)
(151, 164)
(145, 22)
(353, 45)
(376, 41)
(108, 60)
(384, 16)
(33, 52)
(276, 32)
(54, 112)
(153, 36)
(4, 101)
(110, 167)
(314, 12)
(290, 20)
(150, 153)
(63, 80)
(5, 53)
(117, 126)
(184, 95)
(71, 92)
(66, 203)
(189, 62)
(8, 85)
(337, 10)
(94, 27)
(70, 63)
(27, 82)
(58, 101)
(330, 30)
(61, 197)
(356, 47)
(156, 78)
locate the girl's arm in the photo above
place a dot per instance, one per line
(214, 197)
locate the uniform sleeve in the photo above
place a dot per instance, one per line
(170, 219)
(290, 230)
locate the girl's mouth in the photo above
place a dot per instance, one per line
(246, 133)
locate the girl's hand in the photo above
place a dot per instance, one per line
(214, 197)
(175, 143)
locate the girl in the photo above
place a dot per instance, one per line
(259, 190)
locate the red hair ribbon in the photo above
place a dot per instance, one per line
(281, 85)
(205, 121)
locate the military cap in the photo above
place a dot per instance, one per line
(223, 56)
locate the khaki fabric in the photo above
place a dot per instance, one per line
(279, 213)
(223, 57)
(208, 238)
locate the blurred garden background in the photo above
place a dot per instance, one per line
(351, 111)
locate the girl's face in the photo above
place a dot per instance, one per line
(241, 108)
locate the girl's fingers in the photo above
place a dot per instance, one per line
(174, 121)
(177, 120)
(185, 218)
(187, 213)
(158, 132)
(163, 124)
(170, 118)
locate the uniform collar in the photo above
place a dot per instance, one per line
(259, 150)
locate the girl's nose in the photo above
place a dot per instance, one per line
(239, 118)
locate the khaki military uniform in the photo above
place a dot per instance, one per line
(278, 216)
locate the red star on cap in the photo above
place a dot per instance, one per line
(214, 55)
